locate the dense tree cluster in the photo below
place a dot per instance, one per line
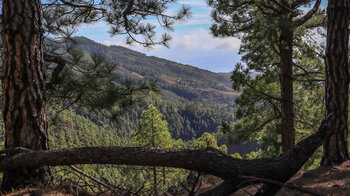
(277, 45)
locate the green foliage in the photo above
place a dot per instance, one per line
(184, 81)
(97, 88)
(251, 155)
(71, 130)
(315, 160)
(89, 81)
(208, 140)
(259, 25)
(2, 145)
(237, 156)
(153, 132)
(124, 17)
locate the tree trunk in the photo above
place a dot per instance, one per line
(23, 101)
(286, 79)
(155, 183)
(209, 160)
(164, 181)
(335, 149)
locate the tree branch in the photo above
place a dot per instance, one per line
(86, 6)
(308, 15)
(263, 93)
(92, 178)
(283, 6)
(61, 63)
(209, 160)
(126, 13)
(261, 126)
(16, 150)
(280, 171)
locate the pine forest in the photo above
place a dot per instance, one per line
(174, 97)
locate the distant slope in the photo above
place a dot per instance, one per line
(193, 100)
(186, 81)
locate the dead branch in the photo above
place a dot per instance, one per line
(93, 178)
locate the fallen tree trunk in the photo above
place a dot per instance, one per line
(208, 160)
(280, 169)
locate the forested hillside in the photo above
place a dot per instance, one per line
(186, 81)
(119, 122)
(192, 100)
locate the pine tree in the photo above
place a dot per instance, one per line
(24, 102)
(25, 88)
(153, 132)
(208, 140)
(335, 147)
(268, 32)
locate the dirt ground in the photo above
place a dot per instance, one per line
(332, 181)
(327, 181)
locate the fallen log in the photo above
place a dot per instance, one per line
(209, 160)
(280, 168)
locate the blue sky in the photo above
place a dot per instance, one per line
(192, 42)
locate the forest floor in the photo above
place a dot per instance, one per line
(333, 180)
(327, 181)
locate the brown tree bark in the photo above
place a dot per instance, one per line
(23, 101)
(286, 80)
(287, 106)
(287, 27)
(210, 161)
(155, 182)
(335, 149)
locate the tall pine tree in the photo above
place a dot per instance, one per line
(24, 24)
(335, 147)
(153, 132)
(271, 26)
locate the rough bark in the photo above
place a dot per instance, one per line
(335, 149)
(155, 181)
(209, 160)
(23, 101)
(280, 169)
(286, 80)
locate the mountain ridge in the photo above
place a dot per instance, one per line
(192, 83)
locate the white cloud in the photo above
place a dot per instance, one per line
(200, 38)
(194, 2)
(194, 39)
(134, 46)
(192, 42)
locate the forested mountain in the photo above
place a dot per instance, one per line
(53, 94)
(192, 100)
(185, 81)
